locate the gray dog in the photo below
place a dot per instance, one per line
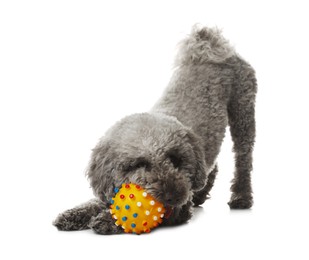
(171, 151)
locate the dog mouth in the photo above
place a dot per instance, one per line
(168, 211)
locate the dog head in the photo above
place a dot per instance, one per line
(153, 150)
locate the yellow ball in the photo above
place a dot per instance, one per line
(135, 210)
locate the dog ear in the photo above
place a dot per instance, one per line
(199, 176)
(100, 171)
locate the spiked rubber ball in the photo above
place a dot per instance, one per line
(135, 210)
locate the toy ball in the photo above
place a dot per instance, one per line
(135, 210)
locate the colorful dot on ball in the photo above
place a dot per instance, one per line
(135, 215)
(117, 207)
(133, 225)
(127, 186)
(131, 196)
(116, 190)
(122, 196)
(124, 218)
(127, 206)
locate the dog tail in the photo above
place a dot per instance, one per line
(203, 45)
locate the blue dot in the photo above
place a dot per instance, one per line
(135, 215)
(116, 190)
(117, 207)
(112, 201)
(124, 218)
(127, 206)
(133, 225)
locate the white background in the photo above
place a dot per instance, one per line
(70, 69)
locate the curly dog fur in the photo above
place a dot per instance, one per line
(172, 149)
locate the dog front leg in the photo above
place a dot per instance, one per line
(104, 224)
(179, 215)
(78, 218)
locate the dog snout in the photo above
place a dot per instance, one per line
(175, 193)
(170, 187)
(171, 199)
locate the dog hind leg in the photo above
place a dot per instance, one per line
(241, 114)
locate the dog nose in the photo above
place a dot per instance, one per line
(172, 201)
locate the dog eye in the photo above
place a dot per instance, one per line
(176, 160)
(137, 165)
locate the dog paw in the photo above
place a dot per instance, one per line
(240, 203)
(104, 225)
(66, 222)
(72, 219)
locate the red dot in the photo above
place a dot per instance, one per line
(138, 187)
(127, 186)
(145, 224)
(131, 196)
(122, 196)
